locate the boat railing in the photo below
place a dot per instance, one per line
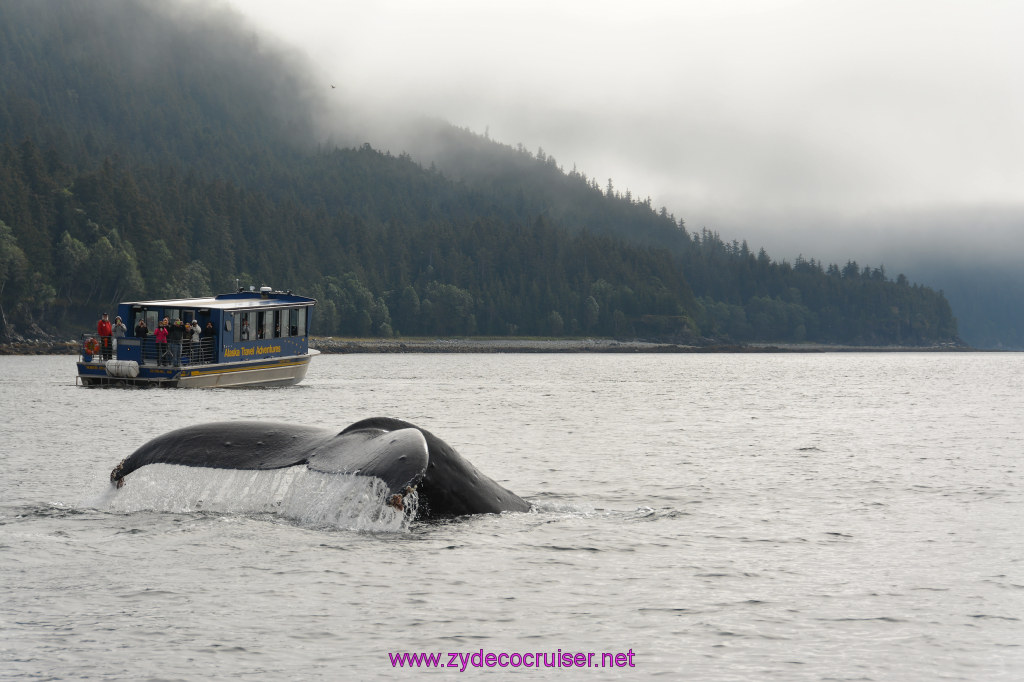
(92, 346)
(145, 351)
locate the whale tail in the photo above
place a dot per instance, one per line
(403, 456)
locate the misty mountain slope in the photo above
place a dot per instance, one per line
(151, 150)
(536, 182)
(987, 300)
(155, 82)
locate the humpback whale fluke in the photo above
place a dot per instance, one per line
(402, 455)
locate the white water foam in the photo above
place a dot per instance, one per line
(309, 498)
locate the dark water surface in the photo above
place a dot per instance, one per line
(727, 517)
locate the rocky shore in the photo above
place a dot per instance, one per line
(484, 345)
(39, 347)
(503, 345)
(328, 344)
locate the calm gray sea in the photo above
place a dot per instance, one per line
(721, 517)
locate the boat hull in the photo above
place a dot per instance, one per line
(280, 371)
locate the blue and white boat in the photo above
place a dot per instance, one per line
(249, 338)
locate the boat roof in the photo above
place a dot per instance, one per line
(241, 299)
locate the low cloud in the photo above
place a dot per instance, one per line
(865, 130)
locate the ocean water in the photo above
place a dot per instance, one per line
(701, 517)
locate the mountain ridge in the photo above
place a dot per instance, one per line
(150, 152)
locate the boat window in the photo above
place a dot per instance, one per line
(293, 322)
(244, 327)
(264, 325)
(172, 314)
(301, 323)
(278, 331)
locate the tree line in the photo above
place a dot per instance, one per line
(73, 243)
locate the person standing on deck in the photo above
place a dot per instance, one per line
(197, 335)
(174, 338)
(103, 329)
(141, 332)
(119, 331)
(208, 340)
(186, 341)
(161, 342)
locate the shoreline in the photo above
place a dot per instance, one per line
(331, 346)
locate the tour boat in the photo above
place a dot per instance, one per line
(248, 338)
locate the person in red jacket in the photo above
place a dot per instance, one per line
(103, 329)
(161, 343)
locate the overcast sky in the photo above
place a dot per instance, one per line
(839, 129)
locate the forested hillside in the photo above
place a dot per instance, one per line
(147, 151)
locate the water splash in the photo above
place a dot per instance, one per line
(309, 498)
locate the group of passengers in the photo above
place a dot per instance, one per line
(172, 340)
